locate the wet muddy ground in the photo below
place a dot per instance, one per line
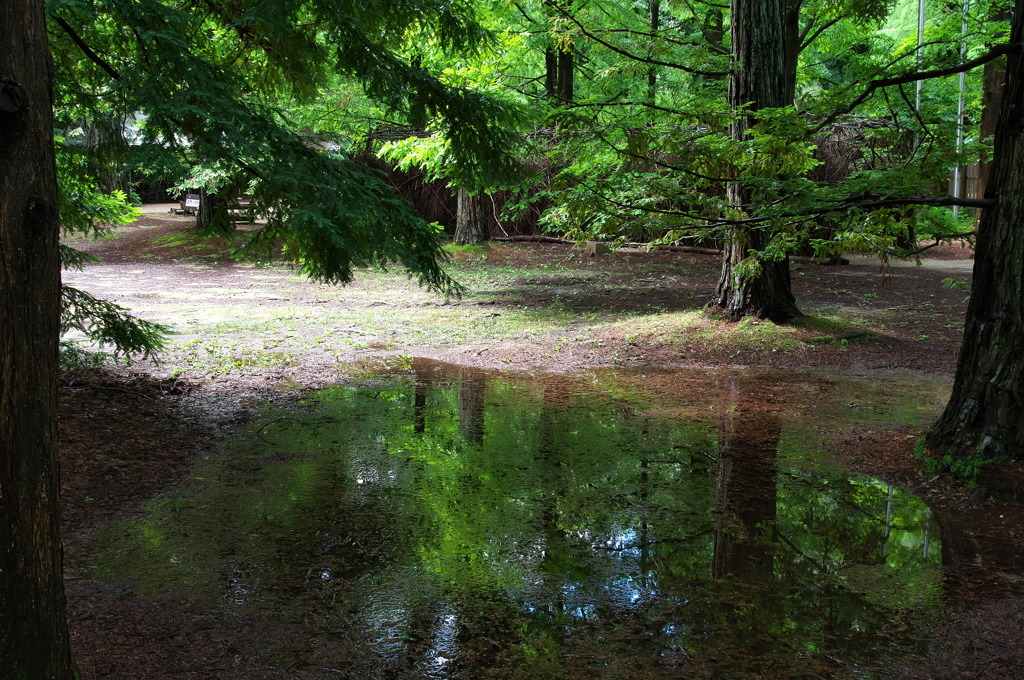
(136, 439)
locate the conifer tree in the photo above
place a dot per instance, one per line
(208, 80)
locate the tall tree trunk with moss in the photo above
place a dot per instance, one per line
(758, 81)
(33, 626)
(984, 418)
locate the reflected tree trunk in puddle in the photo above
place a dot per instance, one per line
(568, 532)
(556, 547)
(976, 557)
(472, 393)
(746, 498)
(746, 492)
(419, 408)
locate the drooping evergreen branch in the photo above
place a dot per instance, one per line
(109, 324)
(839, 205)
(940, 239)
(660, 163)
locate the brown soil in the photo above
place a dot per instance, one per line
(912, 321)
(128, 436)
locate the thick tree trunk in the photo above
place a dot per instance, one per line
(652, 74)
(758, 81)
(769, 295)
(791, 44)
(550, 72)
(470, 220)
(985, 414)
(566, 69)
(559, 68)
(993, 84)
(33, 627)
(212, 216)
(994, 81)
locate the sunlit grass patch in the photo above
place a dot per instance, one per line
(841, 330)
(467, 252)
(710, 332)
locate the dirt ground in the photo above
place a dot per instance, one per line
(130, 433)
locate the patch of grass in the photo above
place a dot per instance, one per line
(188, 244)
(218, 356)
(75, 356)
(843, 332)
(710, 332)
(467, 252)
(822, 322)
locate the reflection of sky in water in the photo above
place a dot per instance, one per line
(612, 513)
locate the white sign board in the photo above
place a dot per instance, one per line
(191, 200)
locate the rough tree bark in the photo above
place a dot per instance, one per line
(791, 42)
(212, 215)
(758, 81)
(559, 68)
(33, 626)
(993, 84)
(985, 415)
(566, 69)
(470, 220)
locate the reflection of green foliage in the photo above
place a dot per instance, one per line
(572, 516)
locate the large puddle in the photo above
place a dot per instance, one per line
(438, 521)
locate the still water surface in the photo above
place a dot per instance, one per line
(439, 521)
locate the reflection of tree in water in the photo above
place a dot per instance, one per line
(576, 526)
(472, 393)
(419, 412)
(746, 497)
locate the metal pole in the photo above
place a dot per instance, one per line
(920, 49)
(958, 171)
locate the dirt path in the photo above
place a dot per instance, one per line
(527, 306)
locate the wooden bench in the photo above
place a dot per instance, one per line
(188, 206)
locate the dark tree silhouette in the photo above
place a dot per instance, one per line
(984, 418)
(33, 627)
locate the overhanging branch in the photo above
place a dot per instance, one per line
(942, 201)
(994, 53)
(636, 57)
(97, 59)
